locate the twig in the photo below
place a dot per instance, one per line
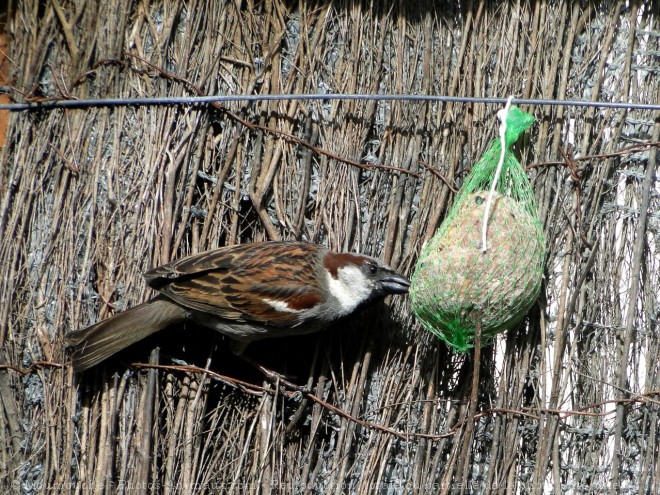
(67, 163)
(258, 127)
(576, 176)
(295, 390)
(32, 367)
(628, 150)
(437, 173)
(68, 33)
(247, 387)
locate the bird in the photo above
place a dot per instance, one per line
(247, 292)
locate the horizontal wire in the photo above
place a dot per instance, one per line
(199, 100)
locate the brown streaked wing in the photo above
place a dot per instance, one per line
(233, 282)
(221, 258)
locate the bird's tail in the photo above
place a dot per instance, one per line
(98, 342)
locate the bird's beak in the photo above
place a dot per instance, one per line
(394, 283)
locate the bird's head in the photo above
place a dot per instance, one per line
(355, 281)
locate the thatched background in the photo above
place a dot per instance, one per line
(91, 198)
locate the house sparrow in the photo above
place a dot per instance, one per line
(247, 292)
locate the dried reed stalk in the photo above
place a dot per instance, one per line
(91, 198)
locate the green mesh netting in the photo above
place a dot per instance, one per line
(456, 284)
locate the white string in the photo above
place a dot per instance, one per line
(502, 115)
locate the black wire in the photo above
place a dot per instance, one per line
(200, 100)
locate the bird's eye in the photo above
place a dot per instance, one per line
(372, 268)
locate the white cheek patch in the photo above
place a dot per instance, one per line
(350, 288)
(280, 306)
